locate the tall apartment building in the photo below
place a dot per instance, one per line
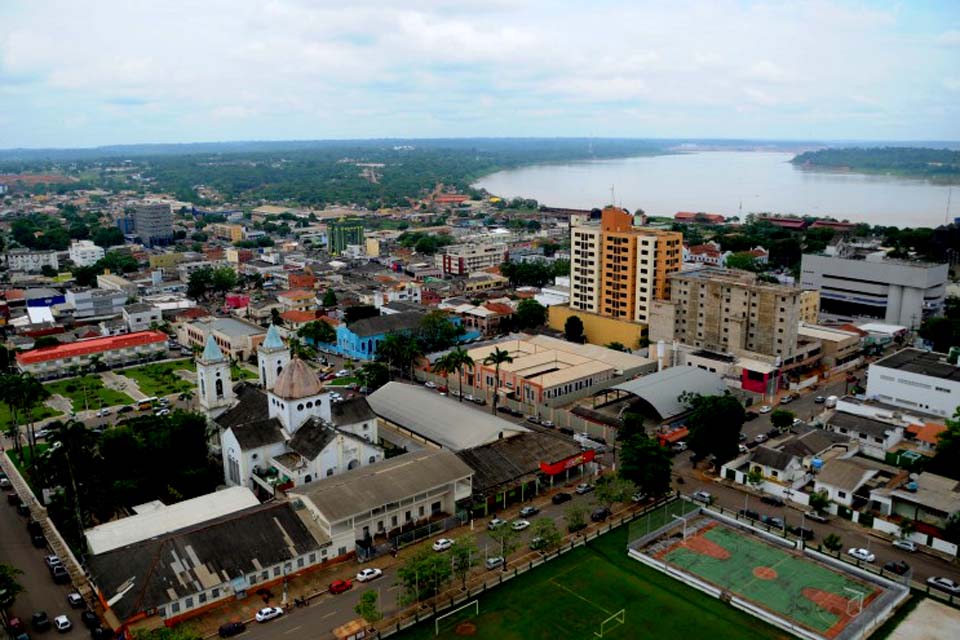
(342, 233)
(153, 223)
(859, 282)
(84, 253)
(31, 259)
(463, 259)
(617, 270)
(730, 311)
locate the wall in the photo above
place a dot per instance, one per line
(598, 330)
(913, 391)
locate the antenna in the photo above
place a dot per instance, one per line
(613, 195)
(946, 215)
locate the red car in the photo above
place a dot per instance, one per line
(339, 586)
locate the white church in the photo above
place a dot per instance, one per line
(288, 432)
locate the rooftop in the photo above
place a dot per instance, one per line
(925, 363)
(662, 389)
(860, 424)
(378, 325)
(89, 347)
(848, 475)
(365, 488)
(231, 327)
(444, 421)
(504, 461)
(937, 492)
(297, 380)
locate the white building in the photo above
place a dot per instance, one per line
(272, 357)
(85, 253)
(31, 260)
(214, 379)
(916, 380)
(140, 317)
(875, 437)
(461, 259)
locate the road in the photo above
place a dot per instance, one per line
(329, 611)
(41, 593)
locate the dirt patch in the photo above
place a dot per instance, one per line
(466, 629)
(832, 602)
(764, 573)
(706, 547)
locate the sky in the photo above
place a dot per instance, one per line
(75, 73)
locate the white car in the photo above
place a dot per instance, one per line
(496, 523)
(761, 437)
(494, 562)
(906, 545)
(52, 561)
(442, 544)
(742, 448)
(861, 554)
(343, 373)
(62, 624)
(103, 412)
(469, 398)
(365, 575)
(702, 496)
(268, 613)
(520, 525)
(430, 384)
(583, 487)
(765, 409)
(944, 584)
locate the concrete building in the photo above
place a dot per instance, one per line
(236, 338)
(462, 259)
(732, 311)
(31, 260)
(617, 270)
(231, 232)
(839, 346)
(85, 253)
(114, 351)
(857, 282)
(343, 233)
(140, 316)
(153, 223)
(810, 306)
(89, 303)
(875, 437)
(916, 380)
(111, 282)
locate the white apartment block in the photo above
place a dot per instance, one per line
(461, 259)
(30, 260)
(84, 253)
(919, 380)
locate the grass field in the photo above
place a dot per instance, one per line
(160, 378)
(97, 395)
(240, 373)
(795, 587)
(570, 596)
(39, 413)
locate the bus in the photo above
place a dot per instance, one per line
(146, 403)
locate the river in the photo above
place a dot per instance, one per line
(730, 183)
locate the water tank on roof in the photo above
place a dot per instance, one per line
(816, 464)
(912, 487)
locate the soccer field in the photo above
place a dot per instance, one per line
(569, 598)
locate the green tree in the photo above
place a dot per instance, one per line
(506, 540)
(546, 529)
(317, 332)
(401, 351)
(642, 460)
(454, 361)
(576, 517)
(368, 607)
(223, 279)
(573, 330)
(496, 358)
(612, 489)
(741, 260)
(941, 332)
(329, 298)
(45, 341)
(200, 283)
(530, 314)
(179, 632)
(437, 331)
(833, 542)
(907, 528)
(819, 501)
(424, 574)
(275, 317)
(714, 423)
(10, 587)
(373, 375)
(617, 346)
(755, 476)
(464, 555)
(948, 449)
(782, 419)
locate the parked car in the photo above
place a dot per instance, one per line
(52, 560)
(533, 419)
(60, 574)
(496, 523)
(702, 496)
(816, 516)
(5, 484)
(519, 525)
(62, 624)
(229, 629)
(370, 573)
(802, 532)
(638, 497)
(819, 400)
(339, 586)
(478, 400)
(38, 541)
(678, 447)
(787, 399)
(528, 511)
(40, 621)
(773, 501)
(567, 431)
(126, 409)
(494, 562)
(14, 500)
(343, 373)
(561, 497)
(751, 415)
(103, 412)
(600, 514)
(906, 545)
(742, 448)
(944, 584)
(429, 384)
(765, 409)
(89, 619)
(548, 424)
(15, 624)
(761, 437)
(75, 600)
(898, 567)
(268, 613)
(747, 513)
(772, 521)
(442, 544)
(537, 543)
(583, 487)
(861, 554)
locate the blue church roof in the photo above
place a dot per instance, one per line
(273, 340)
(211, 352)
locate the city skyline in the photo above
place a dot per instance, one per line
(224, 71)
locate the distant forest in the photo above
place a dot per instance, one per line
(312, 173)
(937, 165)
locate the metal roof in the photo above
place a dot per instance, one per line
(663, 388)
(444, 421)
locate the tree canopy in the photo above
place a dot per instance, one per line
(714, 423)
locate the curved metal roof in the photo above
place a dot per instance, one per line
(663, 388)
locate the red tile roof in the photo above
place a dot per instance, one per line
(88, 347)
(296, 293)
(499, 307)
(296, 316)
(927, 432)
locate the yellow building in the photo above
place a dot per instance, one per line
(810, 306)
(231, 232)
(166, 260)
(372, 247)
(599, 329)
(617, 270)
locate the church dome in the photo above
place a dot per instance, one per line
(297, 380)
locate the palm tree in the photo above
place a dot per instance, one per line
(9, 394)
(400, 350)
(497, 357)
(455, 360)
(30, 393)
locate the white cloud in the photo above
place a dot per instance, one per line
(306, 68)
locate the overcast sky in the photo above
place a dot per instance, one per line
(81, 73)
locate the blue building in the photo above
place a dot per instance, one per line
(360, 339)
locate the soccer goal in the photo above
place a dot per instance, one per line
(476, 612)
(611, 623)
(855, 602)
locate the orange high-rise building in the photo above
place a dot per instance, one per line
(617, 269)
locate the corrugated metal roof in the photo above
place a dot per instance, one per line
(663, 388)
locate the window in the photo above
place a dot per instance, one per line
(276, 571)
(215, 593)
(252, 578)
(841, 494)
(312, 558)
(300, 562)
(202, 597)
(175, 607)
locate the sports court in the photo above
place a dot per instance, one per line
(780, 580)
